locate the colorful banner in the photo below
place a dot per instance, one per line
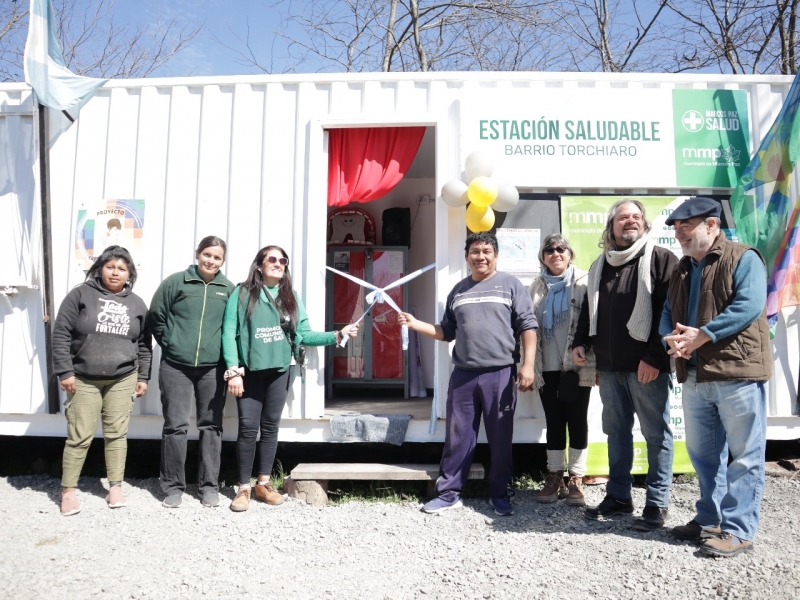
(111, 222)
(583, 220)
(761, 203)
(609, 137)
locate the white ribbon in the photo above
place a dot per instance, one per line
(378, 295)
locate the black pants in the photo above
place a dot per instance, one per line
(260, 407)
(564, 415)
(179, 386)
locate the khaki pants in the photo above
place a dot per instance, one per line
(113, 400)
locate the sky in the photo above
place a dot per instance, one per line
(206, 56)
(225, 19)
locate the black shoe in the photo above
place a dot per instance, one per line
(652, 518)
(609, 507)
(694, 532)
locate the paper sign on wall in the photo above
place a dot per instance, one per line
(519, 251)
(110, 222)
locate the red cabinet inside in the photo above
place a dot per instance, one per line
(376, 354)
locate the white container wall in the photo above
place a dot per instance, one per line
(22, 349)
(245, 158)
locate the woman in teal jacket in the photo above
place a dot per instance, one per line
(265, 323)
(186, 320)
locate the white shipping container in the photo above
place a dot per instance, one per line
(245, 158)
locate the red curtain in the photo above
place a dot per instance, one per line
(365, 164)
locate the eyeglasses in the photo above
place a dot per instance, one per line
(550, 249)
(274, 259)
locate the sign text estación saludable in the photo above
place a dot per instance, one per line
(550, 130)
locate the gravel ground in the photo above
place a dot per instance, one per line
(373, 550)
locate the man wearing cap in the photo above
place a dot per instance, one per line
(626, 290)
(716, 327)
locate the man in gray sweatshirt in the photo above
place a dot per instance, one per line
(488, 314)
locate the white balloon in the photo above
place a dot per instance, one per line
(507, 198)
(454, 193)
(479, 164)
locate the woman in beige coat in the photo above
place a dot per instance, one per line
(557, 297)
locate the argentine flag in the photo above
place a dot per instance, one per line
(55, 86)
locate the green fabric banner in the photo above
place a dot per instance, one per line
(583, 219)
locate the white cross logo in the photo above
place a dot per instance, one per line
(692, 121)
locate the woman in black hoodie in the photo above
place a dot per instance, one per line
(101, 351)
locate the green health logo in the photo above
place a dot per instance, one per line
(711, 137)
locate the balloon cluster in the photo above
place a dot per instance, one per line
(484, 195)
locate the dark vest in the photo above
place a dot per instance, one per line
(743, 356)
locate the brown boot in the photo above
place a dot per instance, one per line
(242, 500)
(70, 505)
(575, 491)
(553, 489)
(266, 493)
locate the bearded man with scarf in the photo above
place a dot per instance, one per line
(619, 319)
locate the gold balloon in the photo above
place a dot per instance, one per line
(479, 218)
(482, 191)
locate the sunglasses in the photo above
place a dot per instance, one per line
(274, 259)
(550, 249)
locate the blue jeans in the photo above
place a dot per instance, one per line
(724, 416)
(623, 396)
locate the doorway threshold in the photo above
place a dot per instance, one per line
(418, 408)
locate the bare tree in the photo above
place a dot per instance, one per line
(613, 35)
(12, 18)
(785, 54)
(407, 35)
(741, 36)
(736, 36)
(93, 40)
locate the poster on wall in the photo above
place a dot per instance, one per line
(108, 223)
(583, 220)
(518, 256)
(598, 137)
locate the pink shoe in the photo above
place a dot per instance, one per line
(115, 497)
(70, 505)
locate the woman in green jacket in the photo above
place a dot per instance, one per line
(186, 320)
(265, 323)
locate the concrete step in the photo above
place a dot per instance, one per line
(374, 471)
(309, 481)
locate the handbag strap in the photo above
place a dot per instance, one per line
(290, 334)
(284, 317)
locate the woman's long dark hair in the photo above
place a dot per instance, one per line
(109, 254)
(255, 281)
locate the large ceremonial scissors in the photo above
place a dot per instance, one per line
(378, 295)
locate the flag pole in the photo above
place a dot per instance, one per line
(53, 400)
